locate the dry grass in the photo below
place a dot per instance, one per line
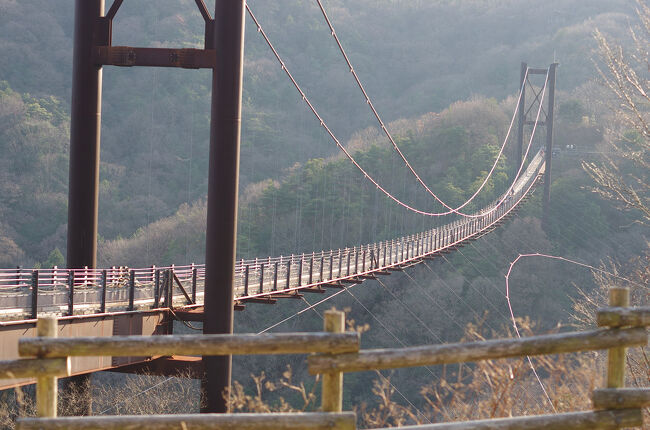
(301, 398)
(491, 389)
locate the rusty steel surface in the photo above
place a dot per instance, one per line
(546, 198)
(223, 185)
(121, 323)
(85, 125)
(521, 113)
(127, 56)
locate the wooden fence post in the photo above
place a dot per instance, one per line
(618, 297)
(46, 386)
(333, 382)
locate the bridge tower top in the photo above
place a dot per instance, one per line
(545, 93)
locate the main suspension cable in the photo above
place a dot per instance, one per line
(394, 144)
(367, 176)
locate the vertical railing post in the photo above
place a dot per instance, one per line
(246, 274)
(322, 262)
(34, 314)
(162, 294)
(131, 290)
(333, 382)
(102, 306)
(311, 269)
(153, 270)
(347, 270)
(169, 290)
(261, 289)
(19, 275)
(289, 273)
(331, 265)
(151, 276)
(46, 386)
(70, 292)
(302, 257)
(275, 277)
(156, 289)
(356, 261)
(618, 297)
(194, 277)
(340, 263)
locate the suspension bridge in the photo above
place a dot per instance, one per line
(26, 294)
(92, 301)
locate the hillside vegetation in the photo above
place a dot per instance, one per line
(154, 129)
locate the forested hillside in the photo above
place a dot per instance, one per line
(154, 130)
(444, 74)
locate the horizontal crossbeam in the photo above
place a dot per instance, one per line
(537, 71)
(126, 56)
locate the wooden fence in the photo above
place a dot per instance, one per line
(338, 352)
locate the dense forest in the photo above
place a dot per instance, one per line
(444, 75)
(154, 129)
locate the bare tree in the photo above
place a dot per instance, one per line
(625, 74)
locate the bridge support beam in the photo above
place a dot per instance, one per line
(522, 115)
(549, 143)
(225, 128)
(84, 138)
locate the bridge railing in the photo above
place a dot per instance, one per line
(32, 292)
(614, 406)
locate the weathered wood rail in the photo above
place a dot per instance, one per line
(338, 352)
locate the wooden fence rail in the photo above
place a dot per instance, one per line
(16, 369)
(599, 420)
(620, 317)
(621, 398)
(474, 351)
(614, 407)
(272, 421)
(210, 344)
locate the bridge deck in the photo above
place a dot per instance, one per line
(131, 299)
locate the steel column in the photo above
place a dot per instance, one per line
(549, 142)
(83, 194)
(522, 115)
(223, 184)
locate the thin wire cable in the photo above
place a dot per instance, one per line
(472, 264)
(304, 310)
(403, 345)
(438, 338)
(463, 300)
(136, 395)
(347, 153)
(263, 331)
(390, 137)
(512, 314)
(435, 302)
(149, 167)
(396, 338)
